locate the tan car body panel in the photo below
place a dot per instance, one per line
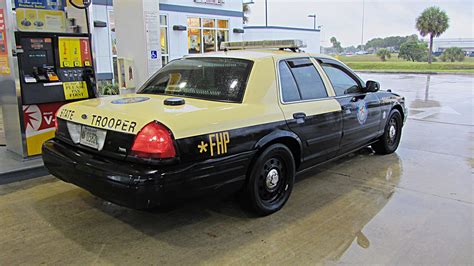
(198, 117)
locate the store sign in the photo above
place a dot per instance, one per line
(213, 2)
(40, 20)
(4, 65)
(41, 4)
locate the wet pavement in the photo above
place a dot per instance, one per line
(414, 206)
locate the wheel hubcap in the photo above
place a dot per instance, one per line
(272, 179)
(392, 131)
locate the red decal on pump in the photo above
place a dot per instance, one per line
(39, 117)
(86, 53)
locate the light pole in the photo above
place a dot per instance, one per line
(266, 13)
(321, 40)
(314, 19)
(362, 37)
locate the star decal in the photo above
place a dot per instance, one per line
(202, 147)
(29, 117)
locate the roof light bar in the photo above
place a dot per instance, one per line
(265, 44)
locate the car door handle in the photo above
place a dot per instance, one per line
(299, 116)
(356, 98)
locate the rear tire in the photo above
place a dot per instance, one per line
(389, 141)
(271, 180)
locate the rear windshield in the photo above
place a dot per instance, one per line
(216, 79)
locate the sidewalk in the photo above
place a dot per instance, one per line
(14, 168)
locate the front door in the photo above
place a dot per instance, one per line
(361, 111)
(309, 110)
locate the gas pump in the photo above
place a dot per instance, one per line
(48, 68)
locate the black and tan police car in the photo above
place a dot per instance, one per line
(240, 120)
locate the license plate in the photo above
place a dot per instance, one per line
(93, 137)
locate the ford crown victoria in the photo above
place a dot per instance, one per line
(243, 120)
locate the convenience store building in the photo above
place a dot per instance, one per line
(185, 27)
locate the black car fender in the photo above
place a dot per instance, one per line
(285, 137)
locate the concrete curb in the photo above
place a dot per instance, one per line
(408, 72)
(22, 174)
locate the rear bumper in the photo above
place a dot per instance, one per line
(141, 186)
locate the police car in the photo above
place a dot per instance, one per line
(245, 119)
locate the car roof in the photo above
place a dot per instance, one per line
(257, 54)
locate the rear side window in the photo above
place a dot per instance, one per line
(304, 76)
(215, 79)
(289, 88)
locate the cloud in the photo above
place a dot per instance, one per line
(343, 18)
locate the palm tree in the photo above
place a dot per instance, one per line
(384, 54)
(433, 21)
(246, 10)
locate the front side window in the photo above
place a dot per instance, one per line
(218, 79)
(308, 80)
(340, 80)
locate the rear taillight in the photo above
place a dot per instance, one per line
(154, 141)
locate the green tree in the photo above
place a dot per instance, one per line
(433, 22)
(453, 54)
(246, 10)
(336, 45)
(413, 51)
(375, 43)
(350, 49)
(393, 42)
(384, 54)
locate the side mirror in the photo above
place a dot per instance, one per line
(372, 86)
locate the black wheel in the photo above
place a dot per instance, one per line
(271, 180)
(390, 139)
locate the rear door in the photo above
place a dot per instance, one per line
(361, 111)
(309, 110)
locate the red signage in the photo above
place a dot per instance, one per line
(3, 34)
(86, 53)
(39, 117)
(4, 65)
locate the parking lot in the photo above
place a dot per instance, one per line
(414, 206)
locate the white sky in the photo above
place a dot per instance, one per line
(343, 18)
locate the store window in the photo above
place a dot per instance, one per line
(206, 34)
(194, 41)
(164, 39)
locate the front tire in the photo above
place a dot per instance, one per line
(271, 180)
(389, 141)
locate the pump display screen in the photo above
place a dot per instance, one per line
(37, 53)
(38, 57)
